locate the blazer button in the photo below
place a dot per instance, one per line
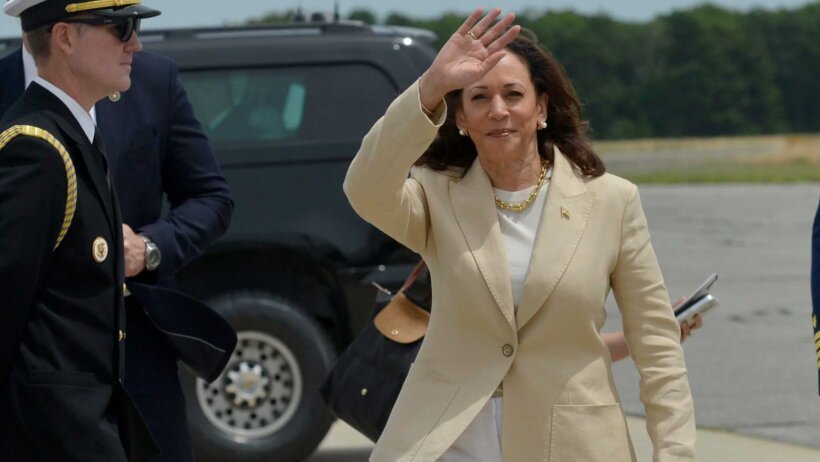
(507, 350)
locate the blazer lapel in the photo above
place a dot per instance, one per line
(562, 224)
(473, 203)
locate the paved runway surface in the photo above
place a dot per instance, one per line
(752, 367)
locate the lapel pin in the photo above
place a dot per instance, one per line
(564, 213)
(99, 250)
(114, 97)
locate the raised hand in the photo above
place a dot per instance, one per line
(468, 55)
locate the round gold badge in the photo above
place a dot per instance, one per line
(114, 97)
(99, 249)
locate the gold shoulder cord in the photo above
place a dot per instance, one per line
(70, 176)
(816, 338)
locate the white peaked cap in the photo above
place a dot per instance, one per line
(15, 7)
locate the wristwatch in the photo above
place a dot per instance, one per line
(152, 254)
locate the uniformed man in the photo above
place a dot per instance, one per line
(62, 264)
(156, 150)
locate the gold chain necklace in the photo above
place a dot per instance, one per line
(521, 206)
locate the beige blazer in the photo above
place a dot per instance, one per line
(560, 402)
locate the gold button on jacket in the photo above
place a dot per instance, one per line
(507, 350)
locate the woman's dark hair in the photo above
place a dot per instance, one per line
(566, 129)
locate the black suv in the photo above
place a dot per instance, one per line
(285, 108)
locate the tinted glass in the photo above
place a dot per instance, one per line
(338, 102)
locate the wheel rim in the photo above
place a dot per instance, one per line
(259, 391)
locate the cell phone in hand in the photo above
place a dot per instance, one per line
(699, 302)
(702, 289)
(703, 304)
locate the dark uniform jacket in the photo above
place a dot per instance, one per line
(61, 354)
(155, 148)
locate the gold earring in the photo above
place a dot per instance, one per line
(542, 124)
(462, 132)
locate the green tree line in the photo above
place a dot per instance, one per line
(704, 71)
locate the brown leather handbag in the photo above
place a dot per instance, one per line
(363, 386)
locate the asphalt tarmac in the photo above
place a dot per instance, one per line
(752, 367)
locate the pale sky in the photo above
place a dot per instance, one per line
(190, 13)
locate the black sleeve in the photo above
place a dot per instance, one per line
(32, 206)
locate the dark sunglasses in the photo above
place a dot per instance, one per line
(126, 26)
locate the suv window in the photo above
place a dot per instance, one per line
(287, 103)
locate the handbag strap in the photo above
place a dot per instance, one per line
(413, 275)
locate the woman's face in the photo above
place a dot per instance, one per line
(501, 112)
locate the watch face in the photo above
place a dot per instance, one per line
(152, 257)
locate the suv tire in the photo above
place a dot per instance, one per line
(267, 398)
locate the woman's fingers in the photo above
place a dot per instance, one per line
(477, 31)
(491, 61)
(684, 330)
(504, 40)
(470, 22)
(498, 29)
(496, 49)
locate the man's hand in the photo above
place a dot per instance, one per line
(134, 251)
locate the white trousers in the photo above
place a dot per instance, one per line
(481, 441)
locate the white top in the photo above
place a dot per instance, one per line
(30, 75)
(518, 230)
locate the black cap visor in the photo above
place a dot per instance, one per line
(136, 11)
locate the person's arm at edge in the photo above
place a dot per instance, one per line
(200, 199)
